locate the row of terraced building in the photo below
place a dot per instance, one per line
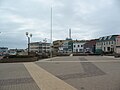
(106, 44)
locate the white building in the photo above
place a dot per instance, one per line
(78, 46)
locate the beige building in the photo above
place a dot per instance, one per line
(40, 47)
(56, 45)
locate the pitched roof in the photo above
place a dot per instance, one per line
(107, 38)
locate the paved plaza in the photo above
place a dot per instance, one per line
(62, 73)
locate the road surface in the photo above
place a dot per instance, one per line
(62, 73)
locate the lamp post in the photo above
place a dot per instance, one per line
(28, 36)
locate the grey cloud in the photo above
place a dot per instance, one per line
(87, 18)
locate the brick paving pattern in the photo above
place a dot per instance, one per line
(90, 70)
(15, 77)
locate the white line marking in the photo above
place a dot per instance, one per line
(48, 59)
(84, 61)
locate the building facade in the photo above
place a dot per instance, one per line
(66, 47)
(90, 46)
(106, 44)
(3, 50)
(12, 51)
(40, 47)
(117, 46)
(58, 45)
(78, 46)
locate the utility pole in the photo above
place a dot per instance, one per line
(51, 34)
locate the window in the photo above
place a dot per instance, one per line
(74, 45)
(78, 45)
(108, 48)
(106, 43)
(81, 45)
(102, 43)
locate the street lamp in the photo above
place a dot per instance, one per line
(28, 36)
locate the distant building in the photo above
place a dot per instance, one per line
(3, 50)
(40, 47)
(102, 45)
(22, 52)
(78, 46)
(90, 46)
(59, 44)
(73, 46)
(106, 44)
(62, 45)
(17, 52)
(12, 51)
(117, 46)
(66, 47)
(56, 45)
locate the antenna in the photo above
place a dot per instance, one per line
(70, 33)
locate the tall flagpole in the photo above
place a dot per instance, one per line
(51, 34)
(51, 25)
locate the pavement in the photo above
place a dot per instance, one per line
(62, 73)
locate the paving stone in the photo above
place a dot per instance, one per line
(14, 76)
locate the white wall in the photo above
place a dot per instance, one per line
(79, 48)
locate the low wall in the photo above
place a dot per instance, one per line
(23, 59)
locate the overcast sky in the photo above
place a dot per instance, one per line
(88, 19)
